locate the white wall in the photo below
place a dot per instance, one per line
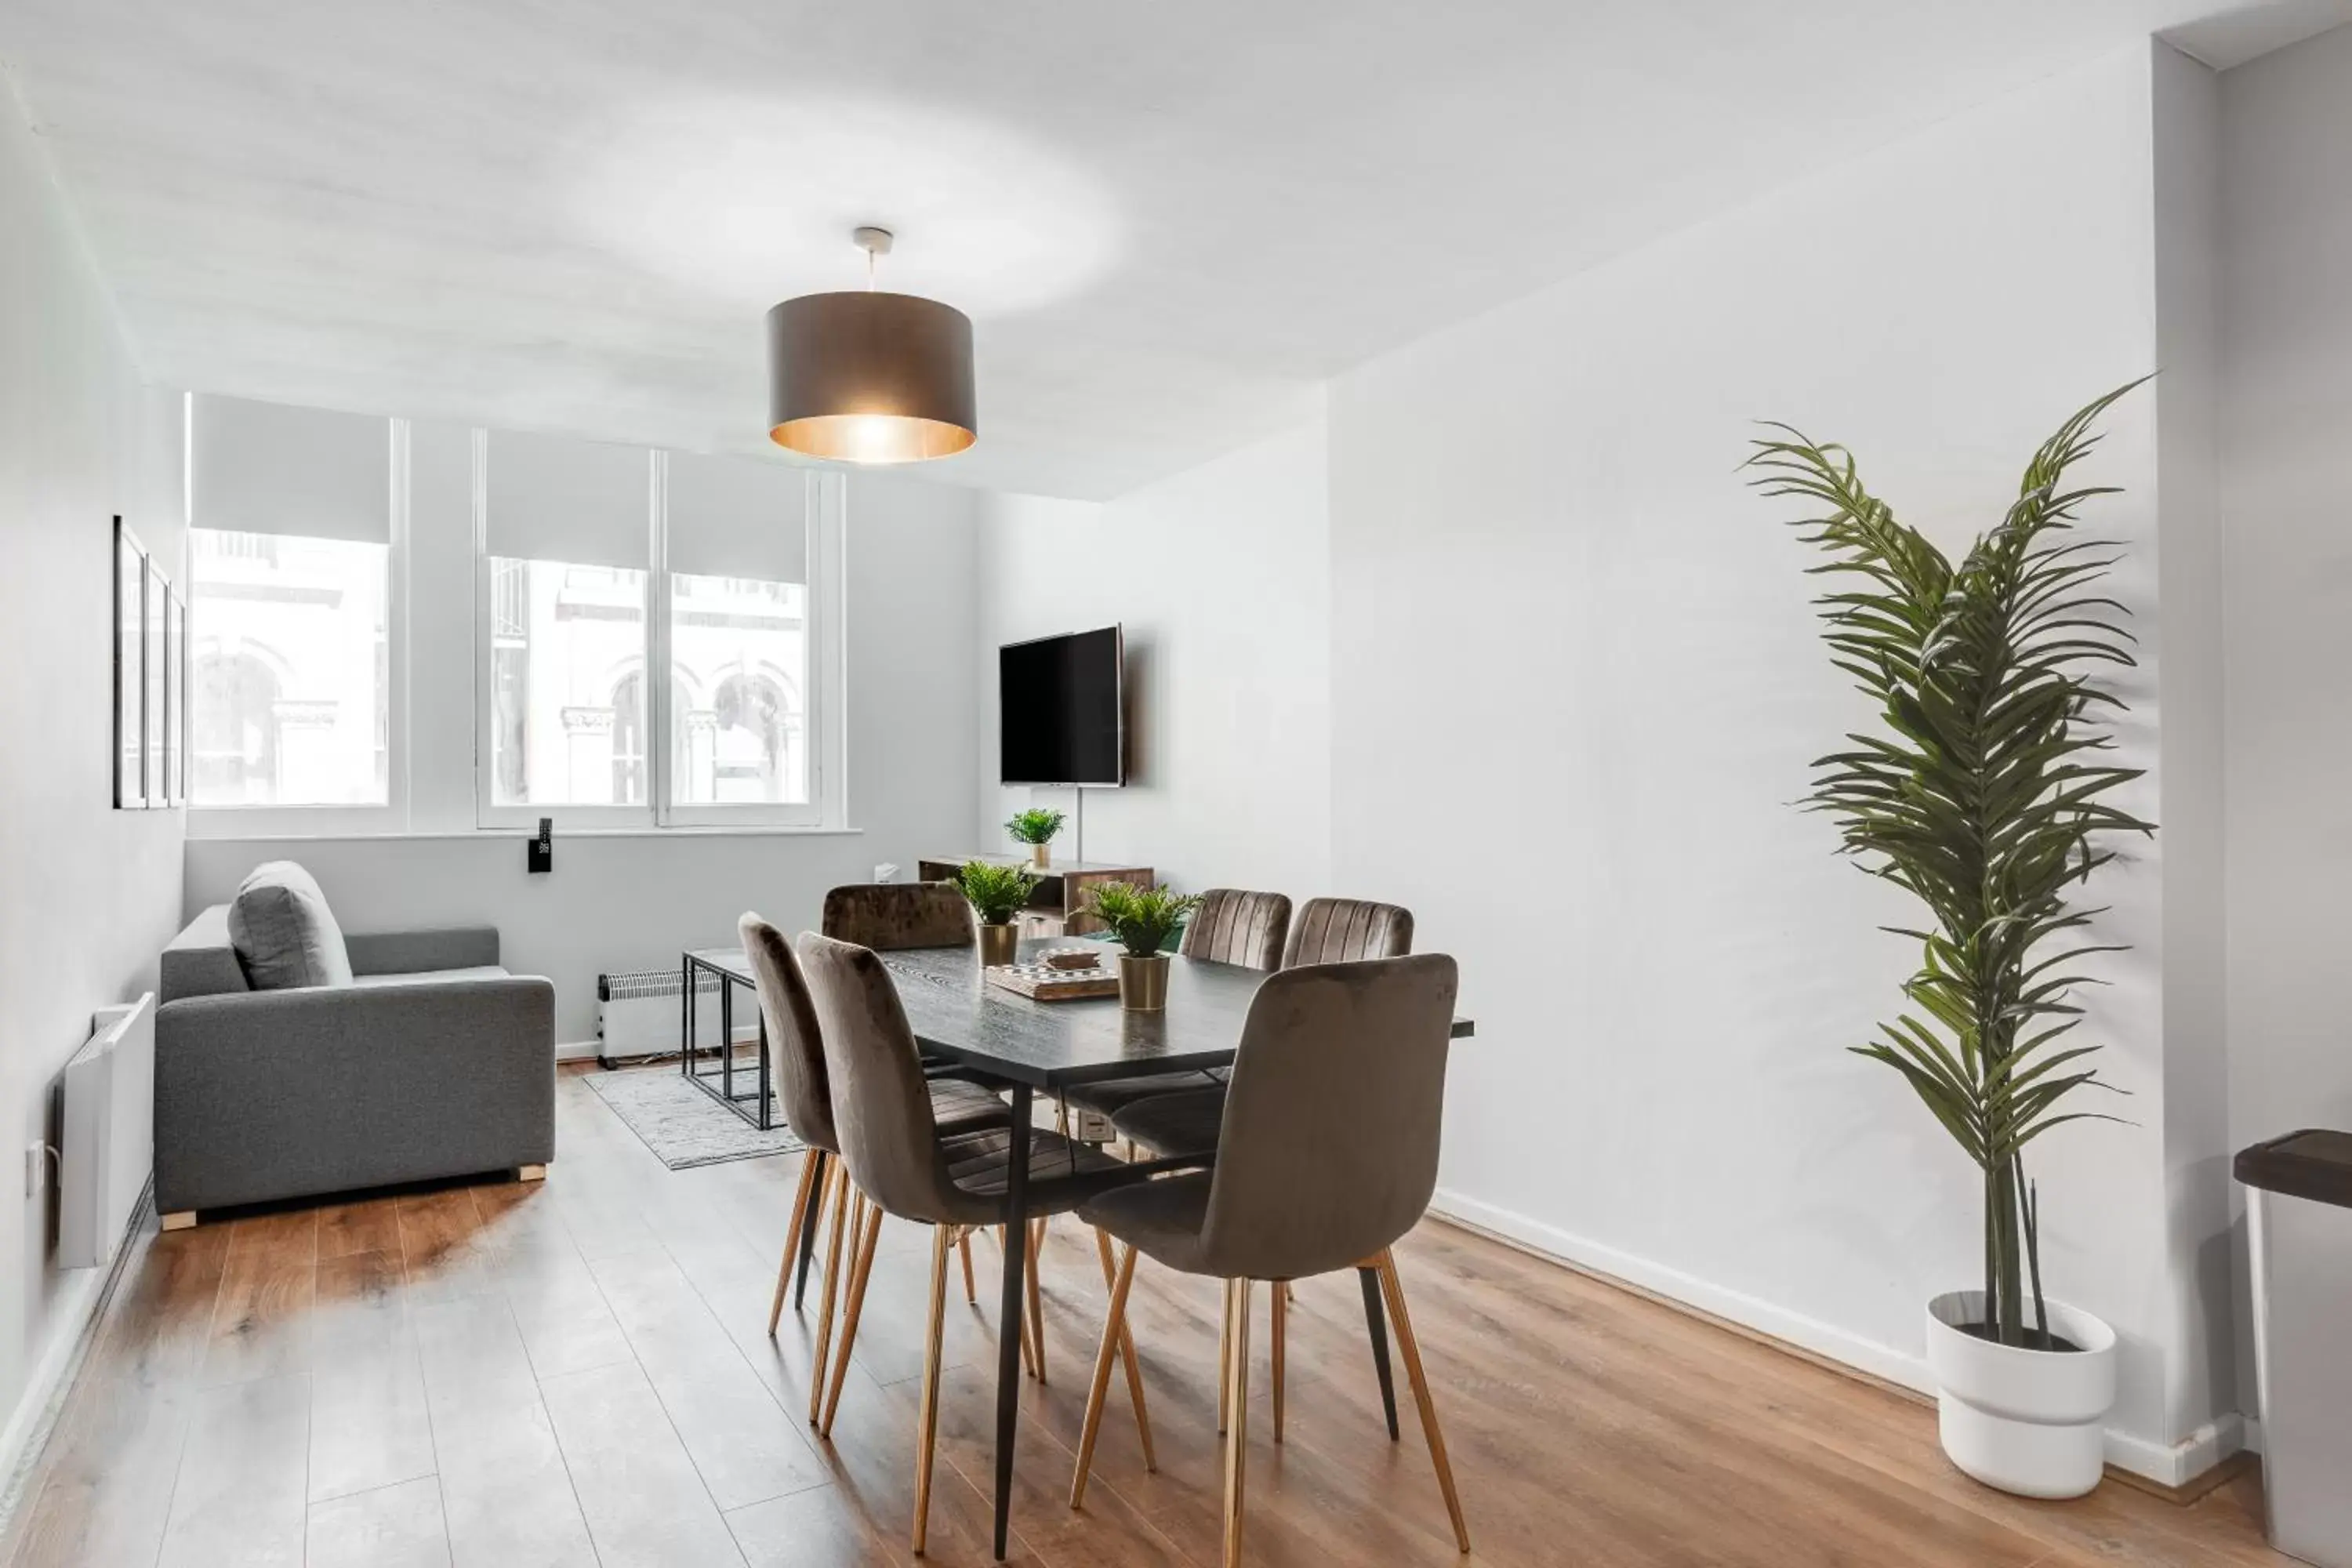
(1221, 576)
(628, 902)
(2286, 455)
(87, 894)
(1563, 627)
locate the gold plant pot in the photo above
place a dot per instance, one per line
(1143, 982)
(1041, 856)
(999, 944)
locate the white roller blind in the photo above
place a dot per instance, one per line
(550, 499)
(737, 517)
(266, 468)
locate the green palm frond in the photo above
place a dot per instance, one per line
(1985, 794)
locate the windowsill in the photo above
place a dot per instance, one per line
(212, 835)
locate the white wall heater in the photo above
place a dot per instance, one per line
(637, 1015)
(106, 1141)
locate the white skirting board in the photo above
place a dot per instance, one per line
(35, 1416)
(2172, 1466)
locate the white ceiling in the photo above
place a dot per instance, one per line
(1170, 221)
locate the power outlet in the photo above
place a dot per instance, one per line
(36, 1169)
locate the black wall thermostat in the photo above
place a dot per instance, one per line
(541, 856)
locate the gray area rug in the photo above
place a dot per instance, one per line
(682, 1125)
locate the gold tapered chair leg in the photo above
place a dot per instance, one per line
(1114, 1327)
(1279, 1311)
(1237, 1305)
(927, 1440)
(1401, 1321)
(803, 1197)
(859, 1272)
(841, 1195)
(1226, 1368)
(964, 1250)
(1126, 1355)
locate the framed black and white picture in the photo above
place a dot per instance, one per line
(175, 699)
(158, 593)
(129, 671)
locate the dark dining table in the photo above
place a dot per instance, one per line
(1030, 1047)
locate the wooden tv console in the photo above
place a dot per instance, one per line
(1057, 907)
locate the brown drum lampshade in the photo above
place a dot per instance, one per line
(870, 377)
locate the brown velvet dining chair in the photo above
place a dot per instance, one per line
(892, 1147)
(1327, 931)
(803, 1093)
(891, 916)
(1326, 1155)
(1232, 925)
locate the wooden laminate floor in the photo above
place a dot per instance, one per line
(576, 1372)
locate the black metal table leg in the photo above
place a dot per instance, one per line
(726, 1041)
(767, 1117)
(686, 1020)
(1008, 1318)
(1376, 1319)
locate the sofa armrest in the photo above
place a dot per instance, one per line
(416, 952)
(200, 961)
(276, 1094)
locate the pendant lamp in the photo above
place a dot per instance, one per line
(870, 377)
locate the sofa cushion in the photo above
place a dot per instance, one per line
(417, 976)
(283, 932)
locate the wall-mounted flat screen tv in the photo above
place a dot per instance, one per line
(1061, 702)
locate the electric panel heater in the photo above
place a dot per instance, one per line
(107, 1144)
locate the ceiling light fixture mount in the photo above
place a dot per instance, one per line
(869, 376)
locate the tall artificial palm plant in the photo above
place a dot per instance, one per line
(1985, 796)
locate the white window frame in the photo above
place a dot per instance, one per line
(277, 820)
(823, 717)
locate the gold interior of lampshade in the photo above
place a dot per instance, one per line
(870, 377)
(872, 438)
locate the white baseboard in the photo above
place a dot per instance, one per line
(588, 1050)
(2184, 1461)
(43, 1394)
(1589, 1257)
(2172, 1466)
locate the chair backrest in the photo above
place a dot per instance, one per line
(886, 916)
(1232, 926)
(1347, 930)
(881, 1102)
(795, 1044)
(1328, 1151)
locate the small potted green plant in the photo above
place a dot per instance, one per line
(1036, 827)
(996, 894)
(1143, 919)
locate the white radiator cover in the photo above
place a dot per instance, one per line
(639, 1013)
(107, 1143)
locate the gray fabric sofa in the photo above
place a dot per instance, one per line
(433, 1061)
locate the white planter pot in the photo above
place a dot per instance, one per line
(2029, 1422)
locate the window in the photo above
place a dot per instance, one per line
(567, 661)
(738, 542)
(737, 722)
(289, 607)
(399, 627)
(289, 640)
(647, 647)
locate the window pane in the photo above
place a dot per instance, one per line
(567, 684)
(289, 703)
(738, 715)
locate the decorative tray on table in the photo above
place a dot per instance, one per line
(1061, 975)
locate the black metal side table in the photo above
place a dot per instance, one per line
(731, 968)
